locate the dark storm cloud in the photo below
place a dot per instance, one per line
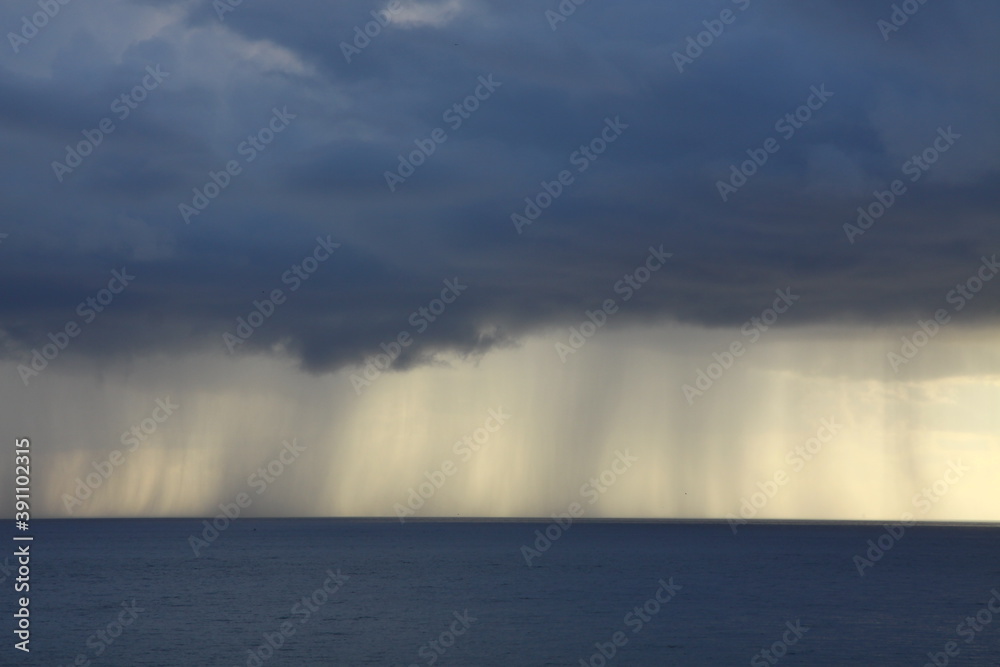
(323, 175)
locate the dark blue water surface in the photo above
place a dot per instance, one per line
(133, 593)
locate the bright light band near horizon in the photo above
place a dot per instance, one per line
(896, 433)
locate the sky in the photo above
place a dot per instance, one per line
(721, 259)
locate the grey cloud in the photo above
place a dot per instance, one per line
(325, 174)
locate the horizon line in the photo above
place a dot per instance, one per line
(537, 519)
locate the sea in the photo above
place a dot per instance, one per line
(311, 592)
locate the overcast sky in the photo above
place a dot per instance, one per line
(186, 164)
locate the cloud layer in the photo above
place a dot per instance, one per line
(347, 114)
